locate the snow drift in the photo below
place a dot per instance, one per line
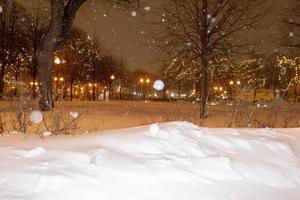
(171, 161)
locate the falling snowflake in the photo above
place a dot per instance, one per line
(1, 9)
(36, 117)
(74, 115)
(158, 85)
(147, 8)
(208, 16)
(188, 44)
(133, 13)
(46, 134)
(291, 34)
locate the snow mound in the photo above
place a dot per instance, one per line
(176, 160)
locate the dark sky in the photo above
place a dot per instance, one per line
(125, 34)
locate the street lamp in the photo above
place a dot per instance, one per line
(112, 77)
(237, 82)
(144, 82)
(57, 61)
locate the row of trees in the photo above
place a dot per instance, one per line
(82, 57)
(204, 40)
(57, 28)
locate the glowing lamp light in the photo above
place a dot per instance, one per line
(238, 82)
(57, 61)
(112, 77)
(141, 80)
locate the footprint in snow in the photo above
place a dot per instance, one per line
(96, 156)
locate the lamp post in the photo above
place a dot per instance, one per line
(235, 85)
(143, 83)
(57, 62)
(112, 78)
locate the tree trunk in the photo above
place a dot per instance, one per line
(254, 95)
(204, 58)
(71, 90)
(1, 88)
(104, 93)
(203, 88)
(120, 93)
(45, 73)
(179, 90)
(295, 93)
(94, 91)
(45, 55)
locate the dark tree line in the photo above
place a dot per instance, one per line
(27, 54)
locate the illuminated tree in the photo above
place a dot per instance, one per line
(289, 76)
(74, 52)
(11, 37)
(35, 27)
(252, 73)
(203, 31)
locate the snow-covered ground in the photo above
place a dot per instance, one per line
(107, 115)
(168, 161)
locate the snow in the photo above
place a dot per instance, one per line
(36, 117)
(147, 8)
(175, 160)
(46, 133)
(133, 13)
(158, 85)
(74, 115)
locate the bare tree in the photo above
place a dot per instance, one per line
(291, 28)
(203, 30)
(36, 24)
(62, 14)
(75, 52)
(11, 29)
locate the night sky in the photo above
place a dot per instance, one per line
(123, 33)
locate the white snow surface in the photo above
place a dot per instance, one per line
(168, 161)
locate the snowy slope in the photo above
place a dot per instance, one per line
(171, 161)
